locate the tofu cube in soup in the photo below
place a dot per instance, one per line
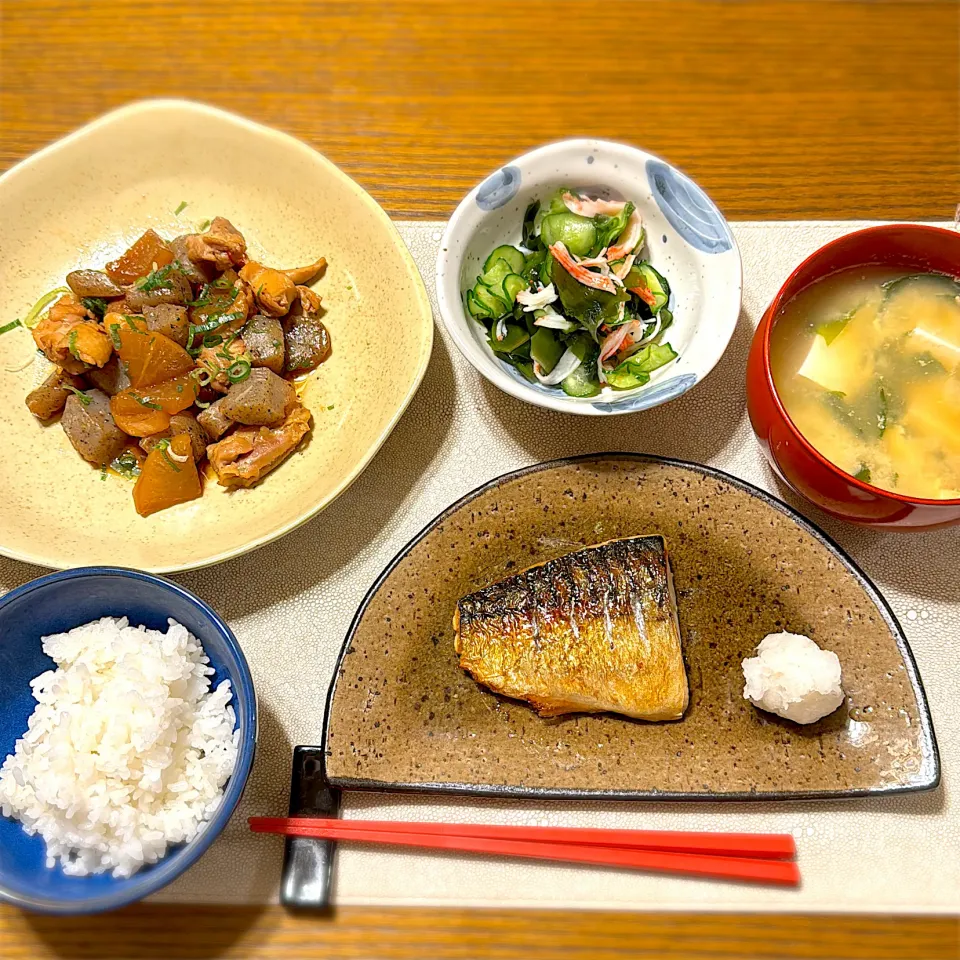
(89, 426)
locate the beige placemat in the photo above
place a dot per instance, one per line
(290, 604)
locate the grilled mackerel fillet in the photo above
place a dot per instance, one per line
(593, 631)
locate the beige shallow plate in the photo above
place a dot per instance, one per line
(83, 200)
(404, 716)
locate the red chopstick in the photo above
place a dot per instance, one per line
(765, 846)
(757, 870)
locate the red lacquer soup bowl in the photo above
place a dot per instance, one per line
(911, 248)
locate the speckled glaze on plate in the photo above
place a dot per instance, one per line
(84, 199)
(403, 716)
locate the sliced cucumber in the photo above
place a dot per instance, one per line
(582, 382)
(505, 252)
(546, 349)
(493, 278)
(475, 308)
(495, 306)
(634, 277)
(544, 272)
(513, 283)
(553, 204)
(657, 284)
(578, 233)
(514, 338)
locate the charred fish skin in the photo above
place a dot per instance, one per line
(592, 631)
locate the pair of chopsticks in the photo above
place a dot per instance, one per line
(756, 857)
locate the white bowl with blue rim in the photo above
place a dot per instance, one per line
(687, 240)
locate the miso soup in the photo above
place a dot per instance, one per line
(867, 364)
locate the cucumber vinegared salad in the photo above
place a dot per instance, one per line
(576, 307)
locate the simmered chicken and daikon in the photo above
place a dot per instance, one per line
(179, 353)
(867, 364)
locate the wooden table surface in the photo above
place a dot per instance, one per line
(779, 110)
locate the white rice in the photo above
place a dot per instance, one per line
(127, 751)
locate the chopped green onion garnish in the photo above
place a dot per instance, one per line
(12, 325)
(96, 305)
(208, 326)
(79, 394)
(180, 208)
(145, 403)
(212, 340)
(238, 371)
(162, 447)
(158, 279)
(131, 324)
(72, 344)
(33, 315)
(115, 335)
(127, 465)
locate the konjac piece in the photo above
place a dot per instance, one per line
(90, 427)
(306, 339)
(92, 283)
(170, 319)
(262, 399)
(263, 337)
(48, 399)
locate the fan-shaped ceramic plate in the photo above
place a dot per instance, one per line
(83, 200)
(404, 716)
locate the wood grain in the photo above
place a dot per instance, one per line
(779, 110)
(171, 933)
